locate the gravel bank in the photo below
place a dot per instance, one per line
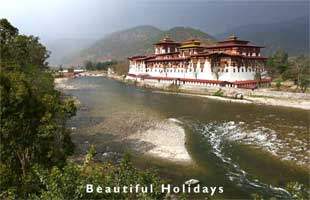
(167, 139)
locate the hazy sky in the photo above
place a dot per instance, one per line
(55, 19)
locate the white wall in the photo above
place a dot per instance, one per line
(202, 72)
(206, 71)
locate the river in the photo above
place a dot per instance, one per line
(245, 148)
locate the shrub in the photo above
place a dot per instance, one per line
(174, 87)
(219, 93)
(70, 182)
(278, 84)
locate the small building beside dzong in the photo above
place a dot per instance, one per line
(230, 63)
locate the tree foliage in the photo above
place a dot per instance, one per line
(297, 68)
(300, 71)
(70, 182)
(278, 63)
(33, 113)
(89, 65)
(35, 142)
(121, 67)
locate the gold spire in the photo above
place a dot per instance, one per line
(167, 39)
(232, 37)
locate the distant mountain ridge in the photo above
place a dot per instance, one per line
(138, 40)
(291, 36)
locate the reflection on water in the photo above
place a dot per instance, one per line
(228, 141)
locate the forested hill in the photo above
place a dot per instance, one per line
(137, 40)
(291, 36)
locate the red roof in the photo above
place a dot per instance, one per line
(248, 87)
(135, 57)
(158, 77)
(200, 80)
(233, 40)
(171, 43)
(251, 81)
(166, 40)
(232, 45)
(146, 57)
(234, 54)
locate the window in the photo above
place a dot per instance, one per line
(234, 70)
(226, 70)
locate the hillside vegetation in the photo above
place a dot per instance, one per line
(138, 40)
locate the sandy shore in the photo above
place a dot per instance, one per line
(205, 96)
(299, 104)
(292, 103)
(167, 139)
(146, 132)
(61, 83)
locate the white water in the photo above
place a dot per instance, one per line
(265, 139)
(218, 135)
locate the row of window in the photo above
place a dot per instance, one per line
(169, 70)
(201, 70)
(241, 70)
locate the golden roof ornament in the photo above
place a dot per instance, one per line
(233, 37)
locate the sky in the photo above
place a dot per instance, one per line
(92, 19)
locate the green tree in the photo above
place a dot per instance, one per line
(304, 82)
(278, 84)
(33, 114)
(70, 182)
(300, 70)
(277, 63)
(34, 140)
(121, 67)
(89, 65)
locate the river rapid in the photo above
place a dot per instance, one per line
(244, 148)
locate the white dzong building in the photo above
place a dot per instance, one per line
(230, 63)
